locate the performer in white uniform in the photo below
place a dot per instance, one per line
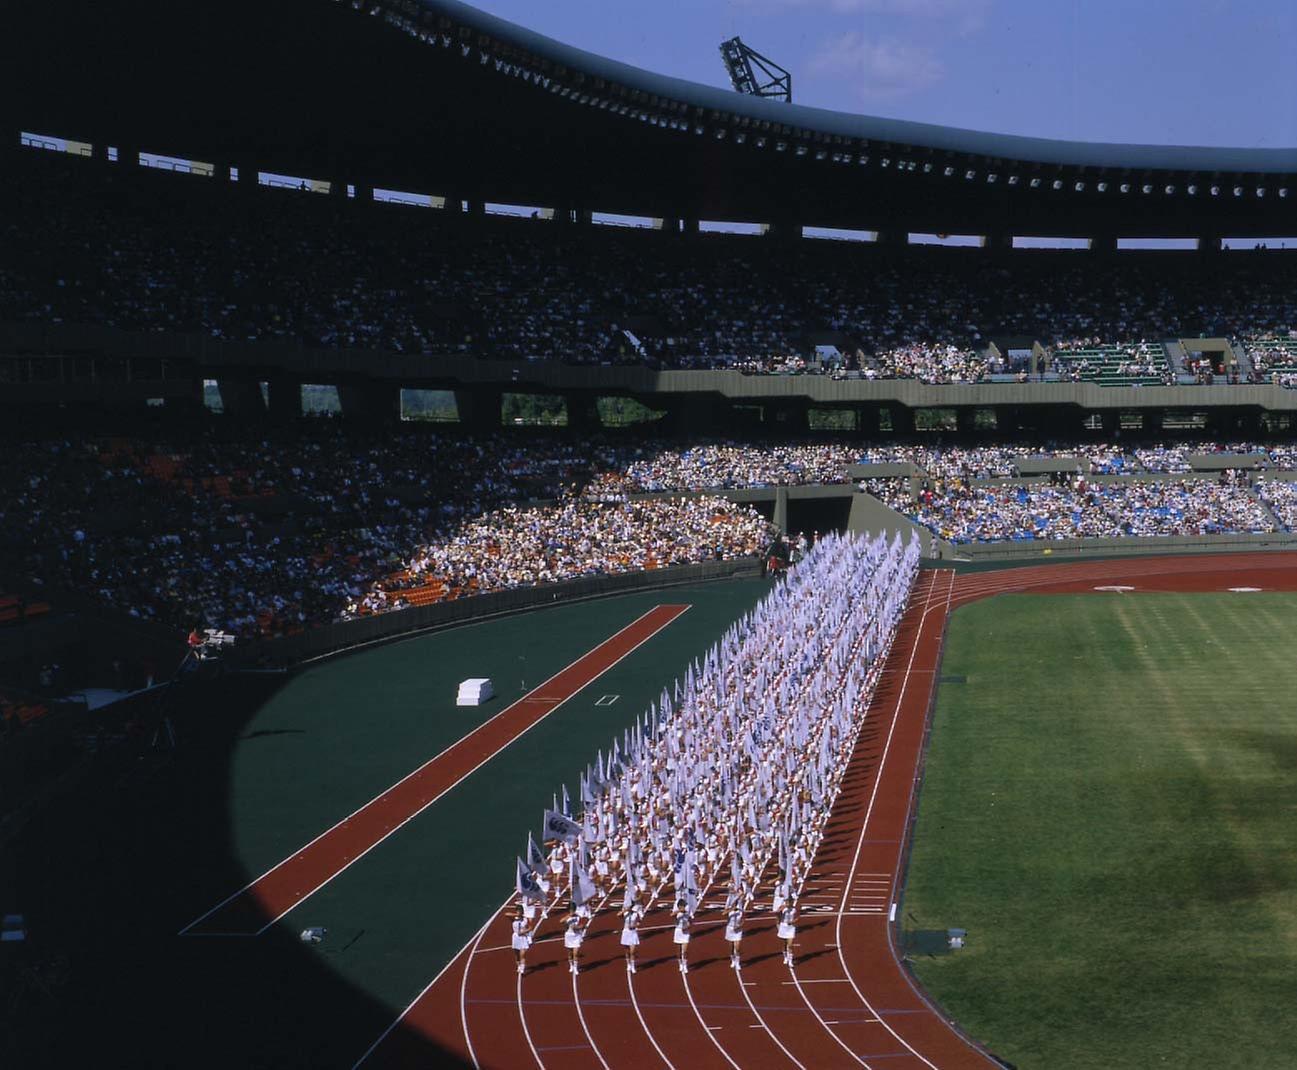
(681, 935)
(734, 934)
(521, 940)
(573, 935)
(630, 936)
(788, 931)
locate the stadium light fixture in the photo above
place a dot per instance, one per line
(1102, 187)
(1260, 191)
(970, 175)
(1193, 190)
(1058, 183)
(948, 171)
(927, 168)
(1035, 183)
(781, 146)
(1080, 187)
(1283, 191)
(992, 178)
(1215, 191)
(760, 142)
(885, 162)
(1013, 180)
(801, 150)
(1238, 191)
(1169, 191)
(1146, 188)
(1125, 187)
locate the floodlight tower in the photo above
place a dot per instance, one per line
(751, 72)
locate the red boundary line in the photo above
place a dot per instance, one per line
(262, 902)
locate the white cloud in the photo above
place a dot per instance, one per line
(881, 67)
(964, 16)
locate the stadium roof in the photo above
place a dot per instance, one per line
(874, 128)
(436, 96)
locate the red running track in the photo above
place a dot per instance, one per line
(849, 1001)
(254, 908)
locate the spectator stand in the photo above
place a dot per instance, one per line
(1130, 364)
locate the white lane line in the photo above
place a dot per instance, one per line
(455, 958)
(873, 798)
(630, 985)
(525, 1031)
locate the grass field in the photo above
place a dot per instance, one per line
(1110, 809)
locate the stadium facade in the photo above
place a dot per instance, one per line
(437, 96)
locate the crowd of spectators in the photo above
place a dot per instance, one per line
(259, 533)
(148, 251)
(962, 513)
(719, 465)
(1281, 497)
(931, 362)
(264, 531)
(519, 546)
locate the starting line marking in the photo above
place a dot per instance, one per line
(607, 700)
(1244, 590)
(1114, 587)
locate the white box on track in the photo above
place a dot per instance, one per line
(474, 692)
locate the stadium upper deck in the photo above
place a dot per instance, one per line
(435, 96)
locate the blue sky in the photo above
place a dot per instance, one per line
(1195, 72)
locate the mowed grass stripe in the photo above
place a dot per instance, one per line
(1110, 809)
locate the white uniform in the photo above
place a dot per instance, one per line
(734, 928)
(573, 936)
(521, 937)
(681, 934)
(787, 926)
(629, 935)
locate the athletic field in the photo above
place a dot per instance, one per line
(1110, 810)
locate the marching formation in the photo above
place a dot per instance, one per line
(728, 780)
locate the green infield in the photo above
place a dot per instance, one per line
(1109, 809)
(347, 729)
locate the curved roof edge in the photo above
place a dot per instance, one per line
(873, 128)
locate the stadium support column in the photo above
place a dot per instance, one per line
(582, 413)
(781, 508)
(370, 402)
(965, 419)
(1152, 422)
(285, 399)
(247, 183)
(479, 410)
(902, 419)
(241, 399)
(697, 414)
(790, 417)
